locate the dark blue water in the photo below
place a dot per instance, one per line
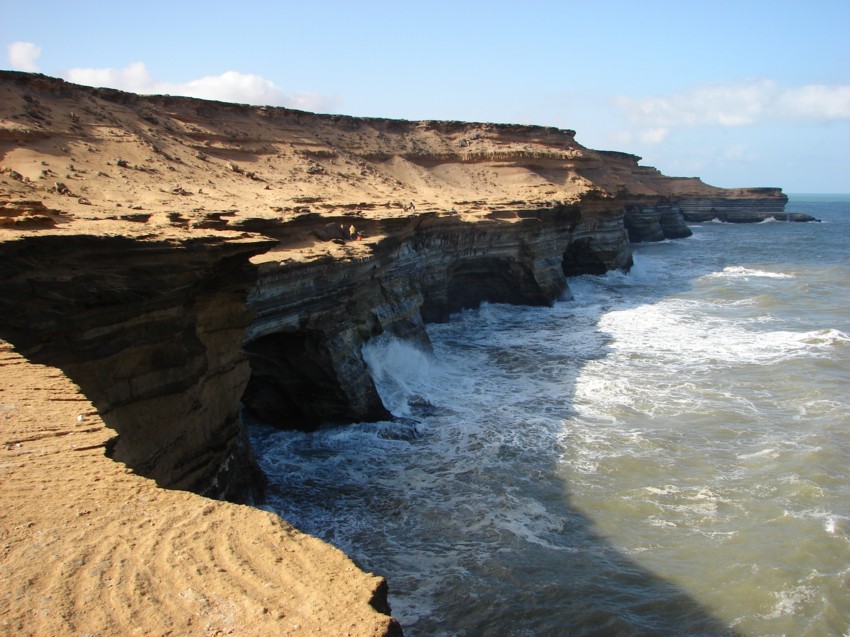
(667, 453)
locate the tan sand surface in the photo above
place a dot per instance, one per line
(89, 548)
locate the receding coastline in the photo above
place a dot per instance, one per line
(147, 240)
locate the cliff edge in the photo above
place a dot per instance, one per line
(166, 262)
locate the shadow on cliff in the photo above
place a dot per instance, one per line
(470, 543)
(151, 332)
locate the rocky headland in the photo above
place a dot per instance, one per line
(169, 265)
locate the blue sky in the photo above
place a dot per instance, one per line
(740, 93)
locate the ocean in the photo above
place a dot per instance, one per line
(665, 453)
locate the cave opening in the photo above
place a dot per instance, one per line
(472, 283)
(305, 379)
(293, 382)
(583, 257)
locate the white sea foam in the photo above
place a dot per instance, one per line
(667, 490)
(738, 271)
(828, 337)
(790, 600)
(400, 371)
(837, 525)
(685, 334)
(761, 454)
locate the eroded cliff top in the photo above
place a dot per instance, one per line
(80, 159)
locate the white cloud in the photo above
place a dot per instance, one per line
(816, 102)
(23, 56)
(738, 104)
(654, 135)
(230, 86)
(134, 77)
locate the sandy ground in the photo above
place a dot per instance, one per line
(89, 548)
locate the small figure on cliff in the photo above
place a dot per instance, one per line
(411, 207)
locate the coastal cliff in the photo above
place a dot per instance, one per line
(151, 332)
(173, 260)
(311, 320)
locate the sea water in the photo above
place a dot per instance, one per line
(665, 453)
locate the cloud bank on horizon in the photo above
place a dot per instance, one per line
(742, 103)
(739, 103)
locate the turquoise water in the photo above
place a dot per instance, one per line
(666, 453)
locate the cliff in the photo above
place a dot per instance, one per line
(167, 261)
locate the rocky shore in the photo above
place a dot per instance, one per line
(166, 263)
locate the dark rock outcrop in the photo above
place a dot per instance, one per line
(740, 205)
(151, 331)
(655, 221)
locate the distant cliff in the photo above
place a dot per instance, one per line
(181, 259)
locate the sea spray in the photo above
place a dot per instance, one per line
(400, 371)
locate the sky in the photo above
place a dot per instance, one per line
(740, 93)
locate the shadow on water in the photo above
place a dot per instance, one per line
(466, 517)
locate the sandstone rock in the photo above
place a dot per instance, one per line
(655, 222)
(313, 319)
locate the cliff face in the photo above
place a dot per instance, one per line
(174, 256)
(741, 205)
(313, 319)
(77, 152)
(151, 332)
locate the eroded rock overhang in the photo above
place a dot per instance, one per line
(312, 319)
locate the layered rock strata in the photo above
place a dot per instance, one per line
(313, 319)
(172, 256)
(151, 331)
(741, 205)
